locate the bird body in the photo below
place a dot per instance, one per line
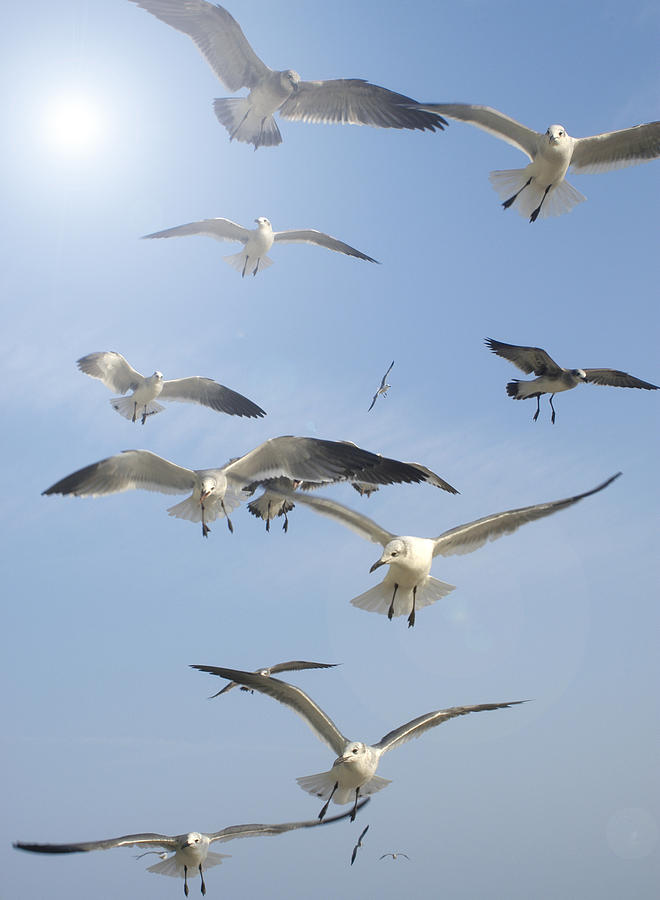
(540, 189)
(257, 241)
(552, 378)
(353, 772)
(221, 41)
(408, 584)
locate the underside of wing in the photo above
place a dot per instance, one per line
(217, 35)
(220, 229)
(616, 378)
(112, 369)
(353, 101)
(528, 359)
(245, 831)
(617, 149)
(124, 472)
(209, 393)
(311, 236)
(147, 839)
(362, 525)
(494, 122)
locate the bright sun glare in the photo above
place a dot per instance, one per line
(73, 125)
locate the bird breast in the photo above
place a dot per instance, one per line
(271, 92)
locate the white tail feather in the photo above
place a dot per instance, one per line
(379, 598)
(238, 261)
(322, 783)
(561, 198)
(191, 510)
(244, 125)
(173, 866)
(125, 406)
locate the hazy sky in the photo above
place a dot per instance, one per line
(108, 601)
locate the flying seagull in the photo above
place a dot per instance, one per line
(257, 241)
(551, 378)
(384, 387)
(353, 772)
(540, 188)
(216, 492)
(190, 852)
(358, 845)
(117, 374)
(292, 666)
(222, 43)
(395, 854)
(408, 586)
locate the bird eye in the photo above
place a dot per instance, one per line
(394, 553)
(355, 749)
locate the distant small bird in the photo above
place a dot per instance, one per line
(190, 851)
(353, 772)
(395, 855)
(408, 585)
(216, 492)
(292, 666)
(540, 189)
(552, 378)
(358, 845)
(117, 374)
(223, 45)
(258, 241)
(384, 387)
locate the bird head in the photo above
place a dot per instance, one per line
(192, 839)
(352, 753)
(556, 134)
(157, 376)
(579, 373)
(394, 551)
(290, 79)
(207, 487)
(262, 222)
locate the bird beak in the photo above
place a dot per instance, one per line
(377, 565)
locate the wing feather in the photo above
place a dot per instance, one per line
(208, 392)
(126, 471)
(362, 525)
(311, 236)
(112, 369)
(492, 121)
(245, 831)
(147, 839)
(528, 359)
(616, 378)
(616, 149)
(220, 229)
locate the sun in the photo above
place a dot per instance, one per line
(73, 125)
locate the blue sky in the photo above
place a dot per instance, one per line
(108, 601)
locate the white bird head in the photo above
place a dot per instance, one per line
(395, 551)
(193, 839)
(207, 486)
(262, 222)
(579, 373)
(556, 134)
(353, 753)
(290, 79)
(157, 376)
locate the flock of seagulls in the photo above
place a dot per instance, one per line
(287, 468)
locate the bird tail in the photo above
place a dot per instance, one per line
(379, 598)
(322, 783)
(248, 265)
(125, 406)
(174, 867)
(268, 506)
(560, 199)
(191, 509)
(243, 124)
(521, 390)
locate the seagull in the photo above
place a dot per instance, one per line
(222, 43)
(119, 375)
(258, 241)
(408, 586)
(384, 387)
(358, 845)
(216, 492)
(395, 854)
(551, 378)
(540, 189)
(353, 772)
(292, 666)
(190, 851)
(271, 504)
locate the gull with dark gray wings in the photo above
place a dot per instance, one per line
(540, 189)
(190, 852)
(552, 378)
(216, 492)
(258, 241)
(353, 772)
(119, 375)
(220, 40)
(408, 586)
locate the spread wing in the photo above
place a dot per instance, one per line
(220, 229)
(217, 36)
(310, 236)
(616, 149)
(112, 369)
(291, 696)
(128, 840)
(529, 359)
(616, 378)
(357, 102)
(294, 665)
(421, 724)
(467, 538)
(364, 526)
(209, 393)
(244, 831)
(492, 121)
(124, 472)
